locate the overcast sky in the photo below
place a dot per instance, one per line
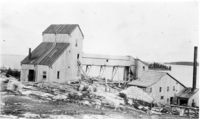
(151, 31)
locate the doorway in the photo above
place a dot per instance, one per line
(31, 75)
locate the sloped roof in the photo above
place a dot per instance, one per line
(46, 53)
(145, 63)
(148, 78)
(187, 93)
(61, 29)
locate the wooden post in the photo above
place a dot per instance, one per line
(102, 71)
(129, 74)
(88, 69)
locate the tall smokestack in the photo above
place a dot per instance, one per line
(195, 68)
(29, 54)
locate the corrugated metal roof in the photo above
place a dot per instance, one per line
(187, 93)
(46, 53)
(148, 78)
(61, 29)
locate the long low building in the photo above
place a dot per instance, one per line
(117, 68)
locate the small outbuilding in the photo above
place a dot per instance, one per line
(188, 96)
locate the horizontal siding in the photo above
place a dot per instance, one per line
(89, 61)
(96, 56)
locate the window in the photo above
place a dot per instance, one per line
(167, 99)
(58, 75)
(162, 97)
(167, 88)
(150, 90)
(107, 60)
(160, 89)
(77, 56)
(173, 88)
(143, 67)
(76, 43)
(44, 75)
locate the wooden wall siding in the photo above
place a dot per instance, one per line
(75, 35)
(57, 38)
(66, 64)
(96, 56)
(196, 99)
(24, 71)
(111, 62)
(139, 68)
(165, 81)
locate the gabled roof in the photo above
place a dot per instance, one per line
(46, 53)
(187, 93)
(61, 29)
(149, 78)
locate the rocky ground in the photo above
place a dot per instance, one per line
(74, 100)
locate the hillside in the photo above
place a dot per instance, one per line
(186, 63)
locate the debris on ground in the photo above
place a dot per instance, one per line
(91, 93)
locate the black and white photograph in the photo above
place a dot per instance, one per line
(99, 59)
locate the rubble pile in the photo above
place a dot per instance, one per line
(138, 94)
(92, 92)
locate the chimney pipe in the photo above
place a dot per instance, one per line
(29, 54)
(194, 68)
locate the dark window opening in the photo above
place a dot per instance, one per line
(76, 42)
(150, 90)
(173, 88)
(107, 60)
(77, 56)
(143, 67)
(162, 97)
(44, 76)
(183, 101)
(58, 75)
(168, 88)
(160, 89)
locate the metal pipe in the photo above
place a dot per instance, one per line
(29, 54)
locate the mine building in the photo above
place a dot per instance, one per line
(59, 58)
(55, 59)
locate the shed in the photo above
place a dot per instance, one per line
(188, 96)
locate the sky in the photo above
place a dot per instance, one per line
(151, 31)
